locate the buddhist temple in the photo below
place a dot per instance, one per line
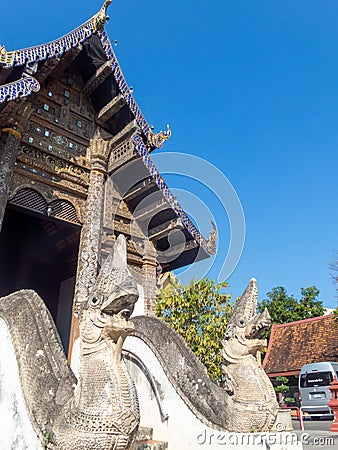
(76, 172)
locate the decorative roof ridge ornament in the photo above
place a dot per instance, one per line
(212, 240)
(158, 139)
(101, 17)
(6, 58)
(58, 46)
(19, 88)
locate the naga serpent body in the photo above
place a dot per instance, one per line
(99, 410)
(248, 402)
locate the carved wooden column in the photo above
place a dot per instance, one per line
(10, 139)
(9, 145)
(149, 266)
(91, 234)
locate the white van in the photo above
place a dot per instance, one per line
(314, 382)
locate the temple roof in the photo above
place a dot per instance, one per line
(18, 67)
(306, 341)
(89, 49)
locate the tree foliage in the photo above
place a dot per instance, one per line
(282, 388)
(283, 385)
(199, 313)
(284, 308)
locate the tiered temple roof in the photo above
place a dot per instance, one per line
(89, 51)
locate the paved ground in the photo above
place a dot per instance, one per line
(316, 434)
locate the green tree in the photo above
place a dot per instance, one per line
(199, 313)
(284, 308)
(282, 388)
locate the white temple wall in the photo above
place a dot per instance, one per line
(182, 429)
(16, 431)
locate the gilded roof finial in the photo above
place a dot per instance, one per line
(158, 139)
(101, 17)
(3, 53)
(5, 57)
(211, 242)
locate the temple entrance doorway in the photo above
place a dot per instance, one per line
(40, 253)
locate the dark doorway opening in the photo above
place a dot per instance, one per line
(40, 253)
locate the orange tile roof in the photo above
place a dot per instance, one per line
(296, 343)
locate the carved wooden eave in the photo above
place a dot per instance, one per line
(90, 31)
(139, 188)
(46, 69)
(110, 109)
(65, 61)
(126, 133)
(149, 211)
(100, 75)
(88, 52)
(162, 230)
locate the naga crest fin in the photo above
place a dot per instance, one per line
(115, 287)
(244, 308)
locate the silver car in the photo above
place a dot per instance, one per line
(314, 382)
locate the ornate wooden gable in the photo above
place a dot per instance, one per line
(77, 148)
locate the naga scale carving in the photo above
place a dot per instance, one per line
(248, 400)
(99, 410)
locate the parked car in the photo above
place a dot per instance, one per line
(314, 382)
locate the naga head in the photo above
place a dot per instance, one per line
(111, 301)
(245, 327)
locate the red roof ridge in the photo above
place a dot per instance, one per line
(312, 319)
(276, 326)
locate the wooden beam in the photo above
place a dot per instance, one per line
(119, 139)
(178, 249)
(162, 230)
(124, 134)
(101, 74)
(4, 74)
(46, 69)
(139, 188)
(151, 210)
(110, 109)
(67, 59)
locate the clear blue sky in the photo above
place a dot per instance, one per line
(251, 86)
